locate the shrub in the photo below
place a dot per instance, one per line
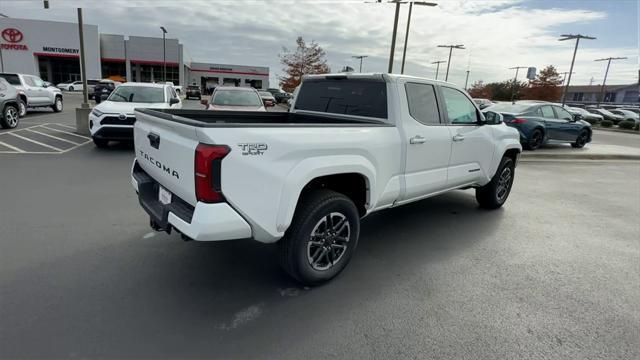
(591, 121)
(626, 124)
(606, 123)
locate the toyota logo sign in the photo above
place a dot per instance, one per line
(12, 35)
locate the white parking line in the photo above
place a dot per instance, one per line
(25, 128)
(10, 147)
(53, 137)
(36, 142)
(67, 132)
(63, 125)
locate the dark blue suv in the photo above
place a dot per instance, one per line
(539, 122)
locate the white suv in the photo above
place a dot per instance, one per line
(33, 92)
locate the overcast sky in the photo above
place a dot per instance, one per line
(498, 34)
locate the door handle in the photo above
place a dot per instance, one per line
(458, 137)
(417, 140)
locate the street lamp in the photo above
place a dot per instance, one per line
(164, 53)
(451, 47)
(406, 36)
(360, 57)
(608, 60)
(565, 76)
(515, 79)
(575, 50)
(438, 66)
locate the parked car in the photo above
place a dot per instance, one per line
(634, 110)
(113, 118)
(177, 88)
(482, 103)
(282, 97)
(267, 99)
(9, 105)
(596, 118)
(103, 89)
(607, 115)
(352, 145)
(71, 86)
(538, 123)
(626, 114)
(193, 91)
(233, 98)
(33, 92)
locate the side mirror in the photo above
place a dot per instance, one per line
(173, 101)
(493, 118)
(577, 117)
(204, 102)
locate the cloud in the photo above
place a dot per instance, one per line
(498, 34)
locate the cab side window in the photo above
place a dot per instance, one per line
(547, 112)
(37, 81)
(460, 109)
(423, 105)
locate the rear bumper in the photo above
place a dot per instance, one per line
(204, 222)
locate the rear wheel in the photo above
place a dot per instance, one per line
(581, 140)
(70, 88)
(10, 117)
(101, 143)
(494, 194)
(322, 237)
(536, 139)
(22, 108)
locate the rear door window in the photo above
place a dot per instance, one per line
(547, 112)
(423, 105)
(359, 97)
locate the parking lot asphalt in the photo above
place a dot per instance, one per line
(555, 274)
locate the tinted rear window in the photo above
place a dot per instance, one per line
(11, 78)
(345, 96)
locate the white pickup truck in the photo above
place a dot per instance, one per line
(350, 145)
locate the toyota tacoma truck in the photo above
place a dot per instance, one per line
(350, 145)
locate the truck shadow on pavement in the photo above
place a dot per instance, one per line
(153, 294)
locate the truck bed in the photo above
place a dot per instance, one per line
(208, 118)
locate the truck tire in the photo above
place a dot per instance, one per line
(322, 237)
(101, 143)
(57, 104)
(494, 194)
(10, 117)
(22, 108)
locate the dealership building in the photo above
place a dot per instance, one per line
(51, 50)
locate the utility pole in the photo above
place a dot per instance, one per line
(515, 79)
(406, 36)
(466, 81)
(575, 50)
(393, 37)
(360, 57)
(83, 68)
(608, 60)
(438, 66)
(164, 54)
(565, 76)
(451, 47)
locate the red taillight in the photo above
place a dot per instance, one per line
(518, 121)
(207, 170)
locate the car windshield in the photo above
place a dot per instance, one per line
(265, 93)
(510, 108)
(139, 94)
(193, 87)
(12, 79)
(236, 98)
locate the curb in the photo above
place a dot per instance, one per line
(616, 130)
(544, 156)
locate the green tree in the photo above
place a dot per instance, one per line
(546, 85)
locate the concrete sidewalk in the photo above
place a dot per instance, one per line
(589, 152)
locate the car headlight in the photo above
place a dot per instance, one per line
(96, 113)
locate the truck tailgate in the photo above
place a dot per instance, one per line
(166, 151)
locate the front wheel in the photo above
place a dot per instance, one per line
(536, 139)
(494, 194)
(10, 117)
(57, 105)
(322, 237)
(581, 140)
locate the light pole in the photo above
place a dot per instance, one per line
(565, 76)
(466, 81)
(451, 47)
(393, 37)
(438, 66)
(164, 54)
(515, 79)
(608, 60)
(406, 36)
(575, 50)
(360, 57)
